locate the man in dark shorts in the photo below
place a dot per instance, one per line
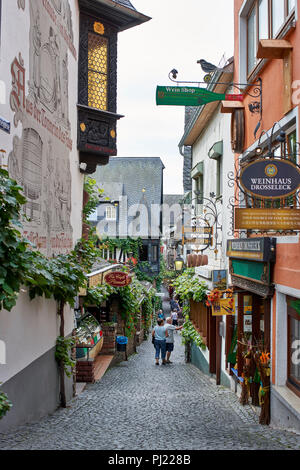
(170, 339)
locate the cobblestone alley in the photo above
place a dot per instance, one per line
(138, 405)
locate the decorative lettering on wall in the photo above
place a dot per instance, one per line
(40, 156)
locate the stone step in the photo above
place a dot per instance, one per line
(101, 365)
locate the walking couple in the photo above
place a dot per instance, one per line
(163, 340)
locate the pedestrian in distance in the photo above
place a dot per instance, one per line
(174, 318)
(160, 315)
(170, 338)
(160, 335)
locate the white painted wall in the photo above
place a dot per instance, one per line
(31, 328)
(217, 129)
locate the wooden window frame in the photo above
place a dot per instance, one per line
(287, 18)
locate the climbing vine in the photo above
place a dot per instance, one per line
(63, 353)
(190, 334)
(5, 404)
(14, 249)
(188, 286)
(125, 245)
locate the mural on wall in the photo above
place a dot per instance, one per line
(40, 156)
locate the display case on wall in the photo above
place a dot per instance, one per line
(89, 337)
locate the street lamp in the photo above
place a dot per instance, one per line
(178, 263)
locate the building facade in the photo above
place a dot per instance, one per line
(207, 135)
(266, 128)
(133, 188)
(55, 55)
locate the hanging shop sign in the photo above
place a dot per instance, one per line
(270, 178)
(219, 279)
(260, 249)
(250, 264)
(223, 307)
(266, 219)
(198, 241)
(191, 96)
(117, 279)
(198, 230)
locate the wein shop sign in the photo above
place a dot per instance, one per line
(270, 178)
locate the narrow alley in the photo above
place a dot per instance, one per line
(138, 406)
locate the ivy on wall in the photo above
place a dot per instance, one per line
(5, 404)
(188, 287)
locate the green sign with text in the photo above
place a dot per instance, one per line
(190, 96)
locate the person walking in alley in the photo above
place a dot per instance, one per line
(170, 338)
(160, 335)
(160, 315)
(174, 318)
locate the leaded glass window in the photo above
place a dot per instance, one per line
(97, 71)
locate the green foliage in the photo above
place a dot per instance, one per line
(126, 245)
(188, 286)
(14, 252)
(190, 334)
(59, 278)
(98, 294)
(63, 353)
(132, 297)
(5, 404)
(142, 270)
(94, 194)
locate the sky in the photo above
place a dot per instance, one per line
(179, 33)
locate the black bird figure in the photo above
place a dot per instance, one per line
(207, 67)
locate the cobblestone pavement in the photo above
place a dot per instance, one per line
(140, 406)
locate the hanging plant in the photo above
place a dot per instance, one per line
(188, 286)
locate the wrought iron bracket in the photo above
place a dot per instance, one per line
(256, 92)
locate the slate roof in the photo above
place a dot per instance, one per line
(125, 3)
(171, 199)
(136, 174)
(128, 176)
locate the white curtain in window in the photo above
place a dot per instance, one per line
(263, 15)
(291, 5)
(252, 46)
(277, 15)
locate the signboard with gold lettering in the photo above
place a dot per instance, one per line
(270, 178)
(267, 219)
(118, 279)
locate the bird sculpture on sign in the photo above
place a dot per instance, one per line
(209, 69)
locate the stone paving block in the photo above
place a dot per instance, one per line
(135, 399)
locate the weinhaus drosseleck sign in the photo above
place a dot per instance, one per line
(270, 178)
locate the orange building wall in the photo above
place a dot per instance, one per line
(287, 267)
